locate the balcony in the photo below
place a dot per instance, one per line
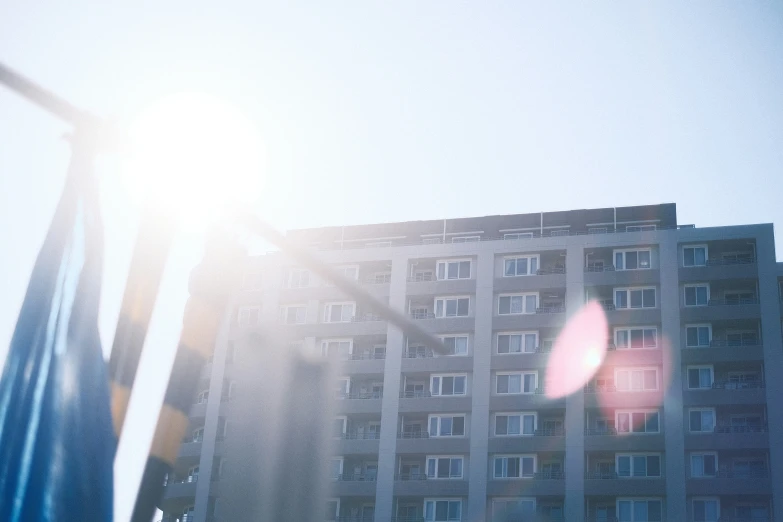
(359, 402)
(420, 485)
(422, 443)
(721, 310)
(610, 484)
(606, 275)
(727, 482)
(426, 284)
(597, 396)
(524, 401)
(727, 392)
(540, 441)
(354, 484)
(722, 350)
(611, 440)
(424, 361)
(425, 402)
(358, 443)
(740, 267)
(181, 488)
(540, 484)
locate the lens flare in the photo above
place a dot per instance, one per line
(578, 352)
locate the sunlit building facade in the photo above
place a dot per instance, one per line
(660, 406)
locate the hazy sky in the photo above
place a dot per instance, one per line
(407, 110)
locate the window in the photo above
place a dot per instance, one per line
(247, 315)
(339, 427)
(697, 295)
(518, 235)
(336, 468)
(632, 259)
(706, 510)
(638, 465)
(516, 509)
(695, 255)
(339, 312)
(636, 379)
(637, 421)
(452, 306)
(442, 510)
(336, 347)
(466, 239)
(516, 383)
(704, 464)
(193, 474)
(517, 304)
(447, 425)
(298, 278)
(700, 377)
(444, 467)
(348, 272)
(202, 397)
(522, 342)
(639, 510)
(514, 424)
(448, 384)
(188, 514)
(515, 466)
(343, 387)
(332, 509)
(702, 420)
(520, 266)
(698, 335)
(640, 228)
(456, 344)
(198, 435)
(456, 269)
(293, 314)
(751, 512)
(636, 338)
(634, 298)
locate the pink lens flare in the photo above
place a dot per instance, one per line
(578, 352)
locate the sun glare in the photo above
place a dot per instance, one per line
(194, 157)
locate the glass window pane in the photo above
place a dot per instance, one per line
(624, 510)
(464, 269)
(510, 267)
(621, 338)
(698, 511)
(515, 344)
(695, 420)
(451, 308)
(459, 426)
(621, 299)
(516, 304)
(689, 256)
(692, 336)
(650, 338)
(638, 422)
(529, 424)
(463, 305)
(522, 266)
(701, 295)
(453, 270)
(502, 384)
(653, 466)
(623, 422)
(639, 466)
(637, 339)
(501, 425)
(527, 467)
(707, 420)
(631, 260)
(649, 298)
(618, 260)
(704, 336)
(441, 510)
(530, 304)
(624, 466)
(700, 256)
(636, 298)
(441, 270)
(709, 465)
(459, 385)
(504, 343)
(513, 425)
(439, 308)
(652, 423)
(514, 383)
(498, 467)
(530, 343)
(640, 511)
(644, 259)
(530, 383)
(533, 265)
(622, 380)
(461, 345)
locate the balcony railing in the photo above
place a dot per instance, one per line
(599, 268)
(357, 518)
(365, 318)
(761, 428)
(383, 279)
(601, 475)
(407, 519)
(363, 356)
(718, 343)
(731, 261)
(410, 476)
(728, 385)
(360, 395)
(595, 388)
(422, 278)
(363, 435)
(733, 302)
(592, 432)
(413, 435)
(357, 477)
(422, 315)
(552, 309)
(607, 305)
(551, 270)
(415, 394)
(548, 475)
(741, 474)
(549, 432)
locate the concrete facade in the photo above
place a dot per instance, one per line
(699, 435)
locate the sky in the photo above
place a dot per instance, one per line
(373, 112)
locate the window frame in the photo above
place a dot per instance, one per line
(628, 330)
(440, 377)
(522, 374)
(338, 340)
(705, 499)
(695, 285)
(699, 367)
(695, 246)
(523, 334)
(631, 457)
(630, 413)
(440, 416)
(519, 457)
(298, 272)
(284, 309)
(328, 311)
(702, 410)
(697, 326)
(244, 310)
(343, 418)
(456, 337)
(627, 290)
(434, 502)
(458, 262)
(437, 458)
(522, 295)
(633, 500)
(623, 252)
(341, 460)
(702, 454)
(336, 501)
(445, 300)
(637, 368)
(528, 258)
(521, 415)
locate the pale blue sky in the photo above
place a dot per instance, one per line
(411, 110)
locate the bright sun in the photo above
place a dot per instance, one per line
(194, 157)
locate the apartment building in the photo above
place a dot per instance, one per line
(677, 421)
